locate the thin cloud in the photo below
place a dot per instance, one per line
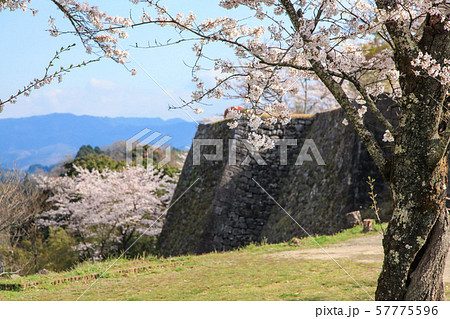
(102, 84)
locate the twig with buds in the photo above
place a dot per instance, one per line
(373, 196)
(48, 77)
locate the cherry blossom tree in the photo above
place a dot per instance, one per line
(321, 40)
(284, 41)
(312, 97)
(106, 211)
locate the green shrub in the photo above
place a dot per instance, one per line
(57, 252)
(91, 162)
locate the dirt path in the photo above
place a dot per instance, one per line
(365, 249)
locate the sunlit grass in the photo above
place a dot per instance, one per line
(249, 273)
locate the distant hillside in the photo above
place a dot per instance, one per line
(47, 139)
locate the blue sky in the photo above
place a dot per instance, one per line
(104, 88)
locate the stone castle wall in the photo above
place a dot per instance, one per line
(223, 207)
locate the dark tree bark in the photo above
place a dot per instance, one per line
(416, 242)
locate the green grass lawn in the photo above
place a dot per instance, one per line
(250, 273)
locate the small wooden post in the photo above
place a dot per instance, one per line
(368, 225)
(353, 218)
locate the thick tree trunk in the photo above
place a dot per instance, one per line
(426, 278)
(416, 242)
(417, 239)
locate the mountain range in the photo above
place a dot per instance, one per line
(49, 139)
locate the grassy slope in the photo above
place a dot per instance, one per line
(246, 274)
